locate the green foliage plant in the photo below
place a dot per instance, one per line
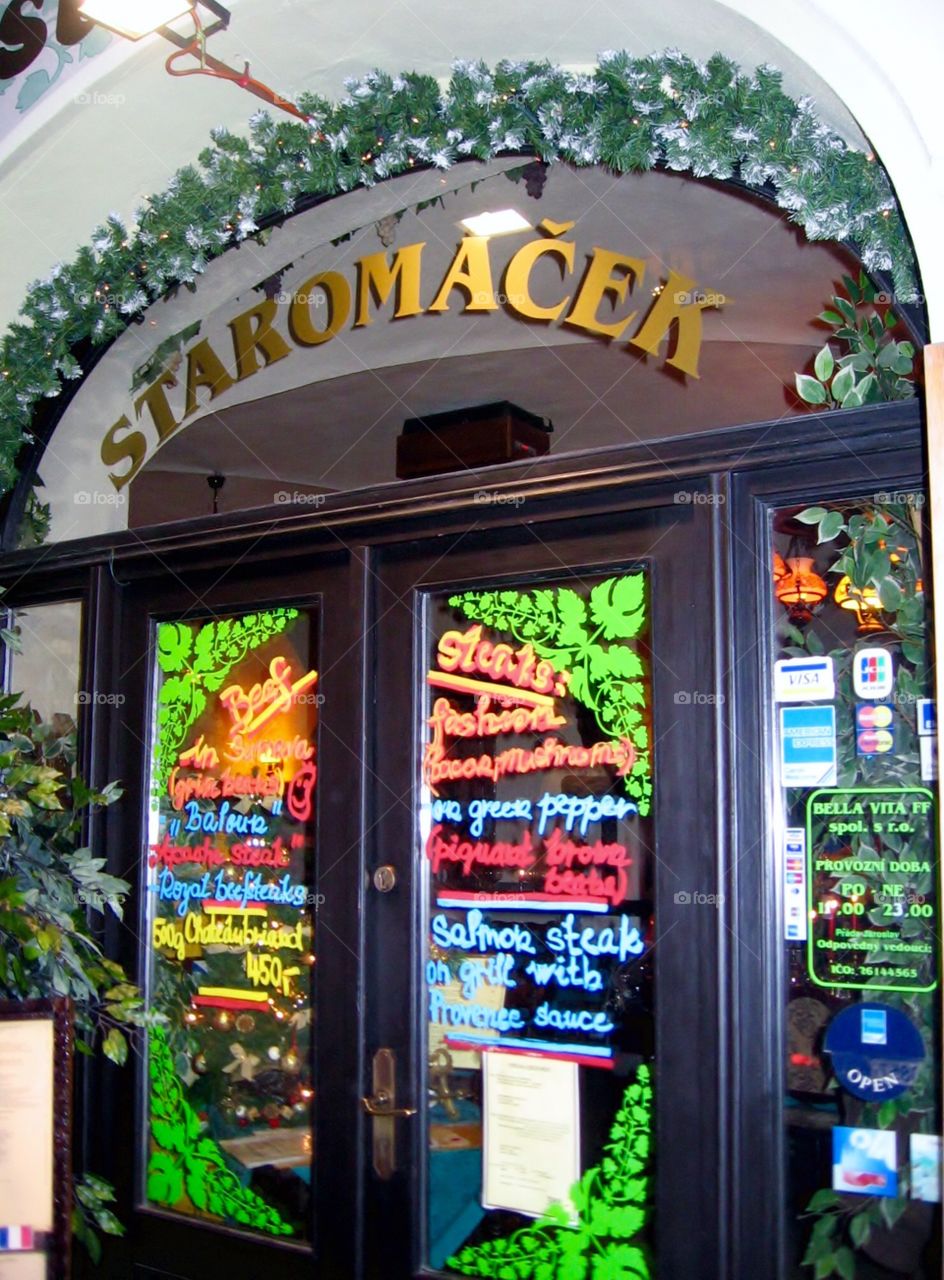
(196, 662)
(629, 113)
(874, 366)
(598, 1238)
(589, 639)
(184, 1161)
(879, 546)
(49, 883)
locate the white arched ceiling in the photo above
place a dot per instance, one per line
(884, 62)
(325, 415)
(108, 147)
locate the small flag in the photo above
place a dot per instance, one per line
(16, 1238)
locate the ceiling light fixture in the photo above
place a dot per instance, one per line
(498, 222)
(136, 18)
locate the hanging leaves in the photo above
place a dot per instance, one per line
(610, 678)
(611, 1206)
(196, 663)
(183, 1158)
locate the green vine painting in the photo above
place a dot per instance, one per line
(610, 1204)
(185, 1161)
(586, 638)
(195, 663)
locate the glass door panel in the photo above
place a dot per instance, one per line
(857, 832)
(536, 827)
(560, 782)
(229, 922)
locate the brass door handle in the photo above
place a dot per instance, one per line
(381, 1104)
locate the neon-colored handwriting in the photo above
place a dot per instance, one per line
(298, 793)
(168, 854)
(495, 971)
(474, 934)
(261, 855)
(226, 930)
(622, 942)
(205, 787)
(468, 652)
(576, 971)
(448, 722)
(250, 711)
(228, 821)
(227, 893)
(450, 1013)
(269, 971)
(580, 811)
(484, 688)
(571, 1019)
(561, 855)
(191, 786)
(551, 754)
(200, 756)
(480, 811)
(268, 750)
(480, 853)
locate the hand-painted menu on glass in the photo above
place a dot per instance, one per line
(537, 782)
(230, 928)
(872, 895)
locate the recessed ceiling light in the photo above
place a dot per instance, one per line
(134, 18)
(497, 223)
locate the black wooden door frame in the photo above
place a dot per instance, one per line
(751, 468)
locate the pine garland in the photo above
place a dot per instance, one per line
(630, 114)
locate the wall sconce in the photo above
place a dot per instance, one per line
(864, 603)
(800, 589)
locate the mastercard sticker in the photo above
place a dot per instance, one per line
(875, 741)
(874, 715)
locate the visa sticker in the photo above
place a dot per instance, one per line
(804, 680)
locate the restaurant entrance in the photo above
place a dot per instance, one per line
(456, 820)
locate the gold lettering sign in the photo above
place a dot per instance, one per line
(605, 298)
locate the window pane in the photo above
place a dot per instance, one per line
(536, 829)
(857, 780)
(230, 953)
(46, 672)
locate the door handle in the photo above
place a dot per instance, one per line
(381, 1106)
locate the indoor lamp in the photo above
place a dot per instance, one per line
(864, 603)
(800, 589)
